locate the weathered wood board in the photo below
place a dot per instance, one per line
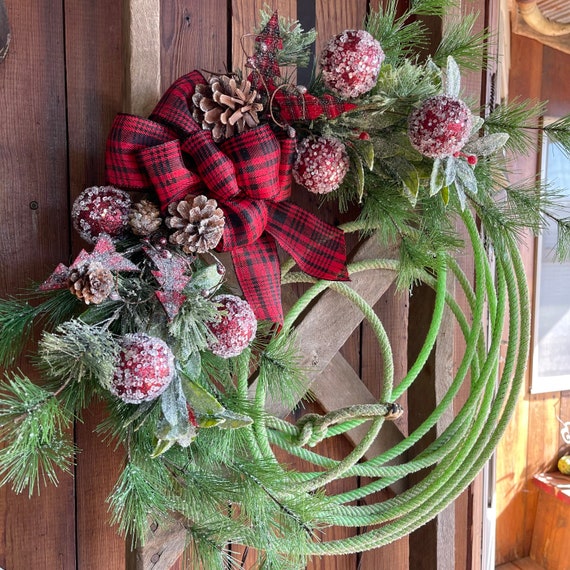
(70, 68)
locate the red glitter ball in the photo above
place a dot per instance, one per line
(321, 164)
(144, 370)
(236, 328)
(350, 63)
(440, 127)
(101, 210)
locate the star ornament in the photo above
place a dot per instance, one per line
(170, 275)
(104, 253)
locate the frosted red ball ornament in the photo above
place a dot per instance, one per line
(101, 210)
(350, 63)
(440, 127)
(145, 368)
(235, 329)
(321, 164)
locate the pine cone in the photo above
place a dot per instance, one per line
(92, 283)
(199, 224)
(226, 107)
(144, 218)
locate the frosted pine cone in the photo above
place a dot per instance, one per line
(440, 127)
(92, 283)
(321, 164)
(350, 63)
(144, 218)
(226, 107)
(198, 222)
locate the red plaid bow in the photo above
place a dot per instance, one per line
(250, 177)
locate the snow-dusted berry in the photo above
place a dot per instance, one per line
(321, 164)
(235, 329)
(440, 127)
(144, 369)
(101, 209)
(350, 63)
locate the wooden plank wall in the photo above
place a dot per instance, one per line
(532, 442)
(60, 86)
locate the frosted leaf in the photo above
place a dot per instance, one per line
(437, 177)
(450, 170)
(467, 177)
(173, 404)
(486, 145)
(453, 78)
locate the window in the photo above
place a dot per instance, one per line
(551, 351)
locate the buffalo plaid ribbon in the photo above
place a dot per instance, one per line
(249, 175)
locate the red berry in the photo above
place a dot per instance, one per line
(101, 210)
(350, 63)
(472, 160)
(321, 164)
(440, 127)
(235, 329)
(144, 369)
(364, 136)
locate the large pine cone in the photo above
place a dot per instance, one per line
(226, 106)
(92, 283)
(198, 222)
(144, 218)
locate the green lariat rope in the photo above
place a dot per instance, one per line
(458, 454)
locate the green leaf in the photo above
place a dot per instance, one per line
(233, 420)
(208, 421)
(200, 400)
(445, 195)
(365, 150)
(487, 145)
(466, 176)
(437, 178)
(453, 78)
(358, 171)
(206, 279)
(450, 170)
(173, 404)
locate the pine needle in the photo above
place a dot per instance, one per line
(558, 132)
(466, 47)
(32, 428)
(518, 118)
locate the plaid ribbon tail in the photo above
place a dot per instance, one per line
(259, 275)
(318, 248)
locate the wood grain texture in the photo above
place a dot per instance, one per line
(94, 81)
(5, 35)
(36, 532)
(334, 312)
(551, 535)
(194, 35)
(141, 25)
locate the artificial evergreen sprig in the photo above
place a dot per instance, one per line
(296, 41)
(33, 429)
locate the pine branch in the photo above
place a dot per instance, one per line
(558, 132)
(280, 371)
(396, 35)
(17, 318)
(467, 48)
(142, 491)
(32, 426)
(296, 42)
(518, 118)
(79, 352)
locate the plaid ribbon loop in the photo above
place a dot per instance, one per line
(250, 177)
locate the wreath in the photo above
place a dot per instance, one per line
(145, 320)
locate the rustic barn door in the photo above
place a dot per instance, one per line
(72, 65)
